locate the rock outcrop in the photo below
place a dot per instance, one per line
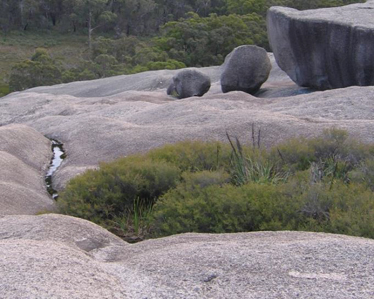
(95, 129)
(246, 68)
(189, 83)
(55, 256)
(324, 48)
(24, 157)
(45, 257)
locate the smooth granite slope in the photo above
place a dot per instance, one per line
(36, 263)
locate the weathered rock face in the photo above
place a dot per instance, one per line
(324, 48)
(24, 157)
(246, 68)
(189, 83)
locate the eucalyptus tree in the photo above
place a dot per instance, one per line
(53, 10)
(92, 13)
(242, 7)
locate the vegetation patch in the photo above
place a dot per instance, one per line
(320, 184)
(4, 90)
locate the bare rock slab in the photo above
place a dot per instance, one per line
(35, 263)
(324, 48)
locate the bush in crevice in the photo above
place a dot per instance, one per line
(253, 166)
(224, 209)
(111, 193)
(194, 155)
(319, 184)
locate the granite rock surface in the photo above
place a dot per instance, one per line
(324, 48)
(40, 260)
(24, 157)
(103, 128)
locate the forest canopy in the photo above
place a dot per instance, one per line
(130, 17)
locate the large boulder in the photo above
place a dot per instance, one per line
(324, 48)
(246, 68)
(189, 83)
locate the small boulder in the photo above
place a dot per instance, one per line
(246, 68)
(189, 83)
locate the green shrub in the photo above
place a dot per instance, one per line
(353, 211)
(205, 178)
(364, 173)
(343, 209)
(169, 64)
(332, 149)
(41, 55)
(110, 193)
(297, 205)
(194, 155)
(138, 69)
(41, 70)
(224, 209)
(4, 90)
(320, 184)
(295, 154)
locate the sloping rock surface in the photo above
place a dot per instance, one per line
(24, 156)
(104, 128)
(146, 81)
(40, 260)
(102, 120)
(324, 48)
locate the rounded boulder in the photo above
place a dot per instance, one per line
(189, 83)
(246, 68)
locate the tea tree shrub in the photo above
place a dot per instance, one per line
(224, 209)
(194, 155)
(110, 192)
(320, 184)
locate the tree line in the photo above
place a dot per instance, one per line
(130, 17)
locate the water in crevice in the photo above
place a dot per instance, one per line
(58, 156)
